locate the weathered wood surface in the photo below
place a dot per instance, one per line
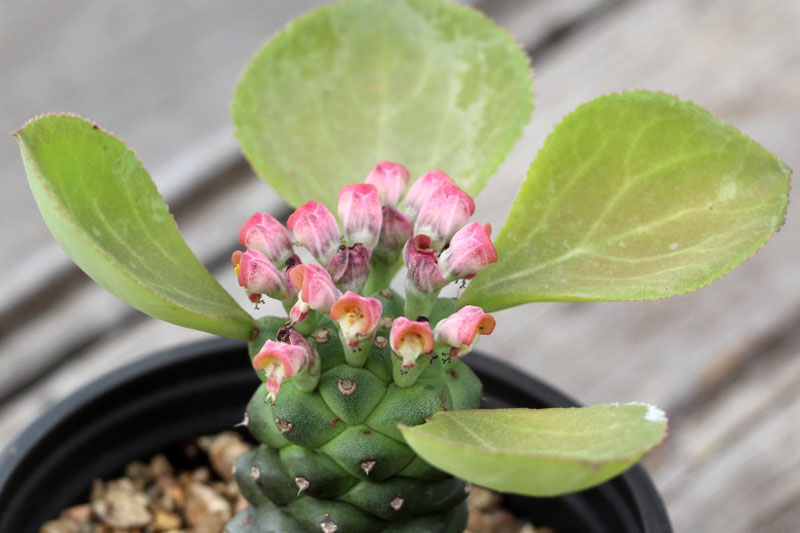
(723, 362)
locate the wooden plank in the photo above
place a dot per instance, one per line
(740, 59)
(665, 351)
(731, 461)
(159, 74)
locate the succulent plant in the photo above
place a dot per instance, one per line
(367, 415)
(332, 455)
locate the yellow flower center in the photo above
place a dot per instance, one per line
(353, 322)
(409, 347)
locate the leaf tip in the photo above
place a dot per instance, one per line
(652, 414)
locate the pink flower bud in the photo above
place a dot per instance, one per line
(410, 339)
(349, 268)
(265, 234)
(391, 181)
(423, 269)
(444, 213)
(462, 329)
(357, 316)
(258, 275)
(317, 290)
(470, 251)
(395, 232)
(315, 228)
(422, 189)
(280, 361)
(360, 212)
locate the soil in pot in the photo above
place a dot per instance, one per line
(195, 493)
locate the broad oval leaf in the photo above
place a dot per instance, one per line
(634, 196)
(102, 207)
(425, 83)
(539, 452)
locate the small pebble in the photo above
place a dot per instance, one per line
(79, 513)
(160, 466)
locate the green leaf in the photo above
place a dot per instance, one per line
(634, 196)
(425, 83)
(102, 207)
(538, 452)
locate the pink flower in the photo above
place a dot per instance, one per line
(395, 232)
(422, 189)
(470, 251)
(423, 269)
(360, 212)
(349, 268)
(315, 228)
(391, 180)
(257, 274)
(265, 234)
(461, 330)
(317, 290)
(410, 339)
(280, 361)
(444, 213)
(357, 317)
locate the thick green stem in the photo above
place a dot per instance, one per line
(307, 326)
(381, 274)
(405, 377)
(418, 303)
(356, 354)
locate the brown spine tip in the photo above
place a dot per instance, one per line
(381, 341)
(332, 423)
(302, 484)
(255, 473)
(284, 426)
(368, 466)
(347, 386)
(321, 336)
(328, 526)
(397, 503)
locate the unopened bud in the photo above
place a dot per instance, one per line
(315, 228)
(360, 212)
(391, 180)
(422, 189)
(349, 268)
(443, 214)
(264, 233)
(256, 273)
(470, 251)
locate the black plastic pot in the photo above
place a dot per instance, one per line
(153, 404)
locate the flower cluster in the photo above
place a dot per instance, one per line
(360, 257)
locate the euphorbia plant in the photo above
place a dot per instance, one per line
(392, 115)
